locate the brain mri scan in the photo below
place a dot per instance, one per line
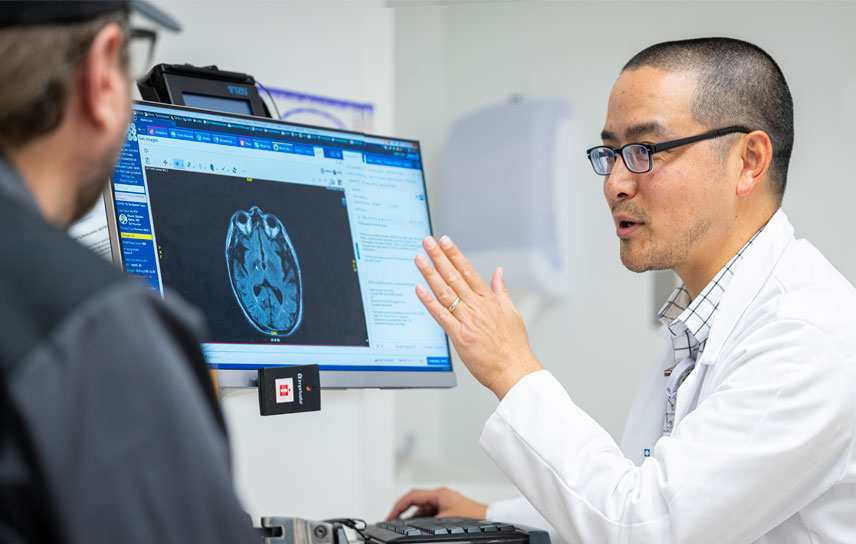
(264, 272)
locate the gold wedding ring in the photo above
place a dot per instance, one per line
(454, 304)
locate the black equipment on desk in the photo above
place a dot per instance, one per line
(285, 530)
(205, 87)
(437, 530)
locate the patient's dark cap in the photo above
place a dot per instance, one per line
(49, 12)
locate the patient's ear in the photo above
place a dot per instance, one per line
(103, 78)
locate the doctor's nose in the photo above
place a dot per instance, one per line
(621, 183)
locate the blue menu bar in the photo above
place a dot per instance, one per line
(224, 139)
(157, 131)
(409, 160)
(180, 134)
(304, 150)
(283, 147)
(333, 153)
(384, 160)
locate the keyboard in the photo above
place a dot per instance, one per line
(421, 530)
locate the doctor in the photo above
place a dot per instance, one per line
(744, 431)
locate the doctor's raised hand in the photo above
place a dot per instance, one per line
(482, 321)
(489, 336)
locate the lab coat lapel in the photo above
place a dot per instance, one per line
(743, 288)
(756, 267)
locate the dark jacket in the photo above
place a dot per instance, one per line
(109, 426)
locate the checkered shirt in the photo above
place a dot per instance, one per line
(688, 322)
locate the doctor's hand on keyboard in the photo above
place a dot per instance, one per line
(458, 519)
(440, 502)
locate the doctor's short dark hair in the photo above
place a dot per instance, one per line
(38, 64)
(739, 84)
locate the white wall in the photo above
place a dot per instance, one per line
(334, 48)
(337, 462)
(457, 57)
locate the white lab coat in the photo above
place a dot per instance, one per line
(763, 444)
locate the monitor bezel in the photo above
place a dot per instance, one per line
(330, 379)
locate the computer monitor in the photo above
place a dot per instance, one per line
(296, 242)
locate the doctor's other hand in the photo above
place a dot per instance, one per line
(483, 323)
(442, 503)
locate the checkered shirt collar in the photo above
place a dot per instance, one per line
(688, 322)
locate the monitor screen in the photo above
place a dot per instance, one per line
(296, 242)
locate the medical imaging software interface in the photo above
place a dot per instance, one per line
(281, 235)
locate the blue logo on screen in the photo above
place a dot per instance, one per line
(242, 91)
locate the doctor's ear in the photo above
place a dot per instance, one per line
(756, 154)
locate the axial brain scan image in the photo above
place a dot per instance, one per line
(264, 272)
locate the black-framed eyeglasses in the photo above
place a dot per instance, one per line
(637, 157)
(141, 45)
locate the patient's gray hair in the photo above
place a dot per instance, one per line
(38, 64)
